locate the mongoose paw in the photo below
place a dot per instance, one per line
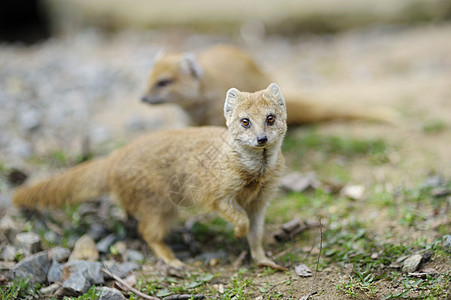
(176, 264)
(269, 263)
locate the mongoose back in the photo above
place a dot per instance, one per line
(232, 171)
(197, 83)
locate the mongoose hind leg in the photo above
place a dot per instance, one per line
(162, 251)
(153, 229)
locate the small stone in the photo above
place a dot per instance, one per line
(103, 246)
(28, 242)
(302, 270)
(208, 256)
(121, 270)
(299, 182)
(76, 284)
(19, 148)
(447, 242)
(51, 237)
(85, 249)
(9, 253)
(30, 120)
(34, 267)
(96, 231)
(91, 270)
(135, 256)
(59, 254)
(7, 225)
(55, 273)
(412, 263)
(110, 294)
(16, 176)
(121, 249)
(49, 290)
(354, 192)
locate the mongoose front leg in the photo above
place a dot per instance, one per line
(255, 238)
(232, 212)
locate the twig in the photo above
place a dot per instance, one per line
(130, 288)
(185, 297)
(317, 261)
(239, 259)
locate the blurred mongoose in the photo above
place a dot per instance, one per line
(197, 83)
(232, 171)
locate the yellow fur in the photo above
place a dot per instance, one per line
(198, 85)
(228, 171)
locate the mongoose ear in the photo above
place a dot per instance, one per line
(189, 65)
(231, 98)
(273, 92)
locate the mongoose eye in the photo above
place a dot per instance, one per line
(245, 123)
(163, 82)
(270, 119)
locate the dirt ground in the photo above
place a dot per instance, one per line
(406, 68)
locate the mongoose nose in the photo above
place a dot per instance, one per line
(261, 140)
(144, 99)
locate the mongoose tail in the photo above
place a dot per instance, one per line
(81, 183)
(301, 112)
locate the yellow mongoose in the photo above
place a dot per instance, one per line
(197, 83)
(231, 171)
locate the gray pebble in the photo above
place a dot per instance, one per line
(9, 253)
(135, 256)
(110, 294)
(104, 244)
(412, 263)
(28, 242)
(59, 254)
(34, 267)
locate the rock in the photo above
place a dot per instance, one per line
(447, 242)
(209, 256)
(9, 253)
(99, 135)
(85, 249)
(121, 249)
(299, 182)
(49, 290)
(96, 231)
(51, 237)
(103, 246)
(110, 294)
(55, 273)
(92, 271)
(8, 226)
(34, 267)
(354, 192)
(59, 254)
(412, 263)
(135, 256)
(121, 270)
(30, 120)
(302, 270)
(6, 265)
(28, 242)
(76, 284)
(19, 148)
(16, 176)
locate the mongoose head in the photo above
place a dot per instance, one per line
(256, 120)
(175, 78)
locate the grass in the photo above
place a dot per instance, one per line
(353, 240)
(19, 289)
